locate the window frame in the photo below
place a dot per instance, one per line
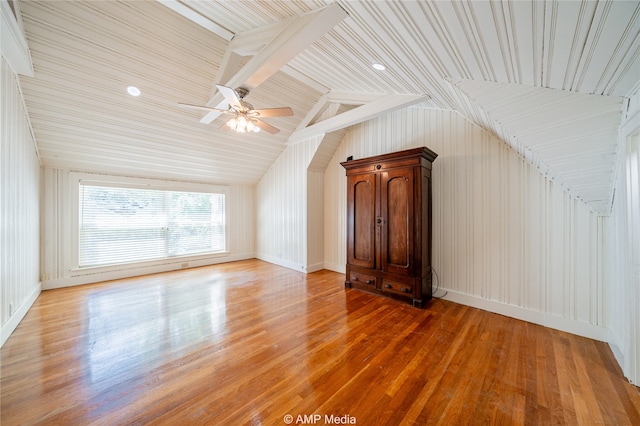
(77, 178)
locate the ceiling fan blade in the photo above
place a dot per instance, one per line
(273, 112)
(205, 108)
(231, 96)
(266, 127)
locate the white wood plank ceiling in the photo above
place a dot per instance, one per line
(550, 78)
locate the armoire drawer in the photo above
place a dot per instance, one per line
(397, 287)
(360, 278)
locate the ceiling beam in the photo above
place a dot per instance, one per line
(184, 10)
(351, 98)
(246, 44)
(342, 98)
(14, 46)
(249, 43)
(320, 105)
(292, 40)
(357, 115)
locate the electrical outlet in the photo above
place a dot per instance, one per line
(45, 277)
(10, 309)
(185, 265)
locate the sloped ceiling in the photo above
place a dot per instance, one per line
(551, 79)
(571, 137)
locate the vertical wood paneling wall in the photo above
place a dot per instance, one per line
(242, 221)
(19, 207)
(282, 208)
(315, 220)
(622, 250)
(505, 238)
(57, 252)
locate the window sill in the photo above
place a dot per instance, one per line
(179, 262)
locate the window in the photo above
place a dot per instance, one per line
(128, 224)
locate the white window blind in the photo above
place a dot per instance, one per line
(122, 225)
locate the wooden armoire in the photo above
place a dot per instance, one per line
(389, 224)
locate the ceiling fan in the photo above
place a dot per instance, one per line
(245, 117)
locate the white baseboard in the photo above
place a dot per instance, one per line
(315, 267)
(19, 315)
(136, 271)
(568, 325)
(282, 262)
(296, 267)
(616, 348)
(341, 268)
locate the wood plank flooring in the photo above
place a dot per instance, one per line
(250, 343)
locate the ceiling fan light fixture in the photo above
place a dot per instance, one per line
(242, 124)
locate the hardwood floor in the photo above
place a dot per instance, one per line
(249, 343)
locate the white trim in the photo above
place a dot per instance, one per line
(137, 182)
(315, 267)
(617, 349)
(152, 269)
(9, 326)
(195, 17)
(341, 268)
(14, 44)
(201, 259)
(282, 262)
(568, 325)
(357, 115)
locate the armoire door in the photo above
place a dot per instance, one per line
(361, 212)
(398, 217)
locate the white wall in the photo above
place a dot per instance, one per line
(505, 239)
(281, 198)
(622, 250)
(19, 207)
(57, 251)
(315, 220)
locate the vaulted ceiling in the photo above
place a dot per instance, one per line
(550, 78)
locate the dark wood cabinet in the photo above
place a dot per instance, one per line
(389, 224)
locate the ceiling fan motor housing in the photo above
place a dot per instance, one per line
(242, 92)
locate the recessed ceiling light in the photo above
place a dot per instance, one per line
(133, 91)
(379, 67)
